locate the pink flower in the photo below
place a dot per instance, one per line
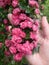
(12, 49)
(18, 47)
(22, 16)
(16, 31)
(37, 5)
(30, 19)
(7, 42)
(1, 4)
(7, 53)
(18, 57)
(26, 24)
(30, 24)
(14, 17)
(23, 25)
(33, 35)
(17, 39)
(33, 3)
(15, 3)
(37, 11)
(27, 45)
(16, 11)
(16, 22)
(34, 27)
(7, 2)
(25, 48)
(5, 21)
(23, 34)
(0, 45)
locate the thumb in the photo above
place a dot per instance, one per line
(45, 26)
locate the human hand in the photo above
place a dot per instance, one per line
(41, 58)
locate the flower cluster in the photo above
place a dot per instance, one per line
(4, 3)
(18, 45)
(22, 30)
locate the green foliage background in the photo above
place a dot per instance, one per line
(46, 9)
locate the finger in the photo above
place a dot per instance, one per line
(45, 26)
(41, 33)
(34, 59)
(10, 17)
(40, 37)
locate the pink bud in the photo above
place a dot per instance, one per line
(37, 11)
(5, 21)
(7, 53)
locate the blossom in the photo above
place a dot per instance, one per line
(7, 53)
(34, 27)
(17, 39)
(30, 24)
(22, 16)
(16, 11)
(33, 3)
(7, 42)
(18, 57)
(15, 3)
(3, 3)
(21, 29)
(5, 21)
(12, 49)
(37, 11)
(16, 31)
(22, 34)
(15, 20)
(23, 25)
(33, 35)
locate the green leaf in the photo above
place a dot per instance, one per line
(23, 4)
(29, 9)
(1, 9)
(2, 37)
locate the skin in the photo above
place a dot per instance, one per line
(41, 58)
